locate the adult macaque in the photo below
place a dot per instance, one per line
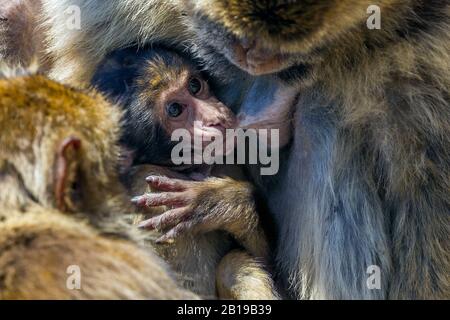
(365, 182)
(61, 205)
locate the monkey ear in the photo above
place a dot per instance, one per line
(67, 175)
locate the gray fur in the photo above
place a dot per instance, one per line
(366, 179)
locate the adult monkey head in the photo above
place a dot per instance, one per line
(62, 203)
(266, 37)
(62, 159)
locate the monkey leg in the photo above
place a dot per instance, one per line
(242, 277)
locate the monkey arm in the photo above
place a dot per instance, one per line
(205, 206)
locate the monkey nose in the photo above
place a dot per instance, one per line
(217, 125)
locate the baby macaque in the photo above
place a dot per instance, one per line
(161, 91)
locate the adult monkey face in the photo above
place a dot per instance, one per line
(268, 36)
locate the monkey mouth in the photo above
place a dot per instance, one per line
(260, 67)
(257, 61)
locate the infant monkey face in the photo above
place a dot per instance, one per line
(189, 104)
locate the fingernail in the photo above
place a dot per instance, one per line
(150, 179)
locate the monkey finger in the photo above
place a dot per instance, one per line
(160, 199)
(166, 220)
(167, 184)
(170, 236)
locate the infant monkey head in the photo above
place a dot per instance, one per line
(164, 91)
(180, 97)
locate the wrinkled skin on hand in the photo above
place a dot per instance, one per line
(197, 206)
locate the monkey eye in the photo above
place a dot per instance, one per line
(174, 110)
(195, 86)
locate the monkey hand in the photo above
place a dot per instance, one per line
(200, 207)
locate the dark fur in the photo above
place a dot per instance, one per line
(117, 78)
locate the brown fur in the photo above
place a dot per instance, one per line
(157, 76)
(202, 256)
(38, 246)
(106, 26)
(240, 274)
(52, 107)
(21, 37)
(38, 242)
(276, 23)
